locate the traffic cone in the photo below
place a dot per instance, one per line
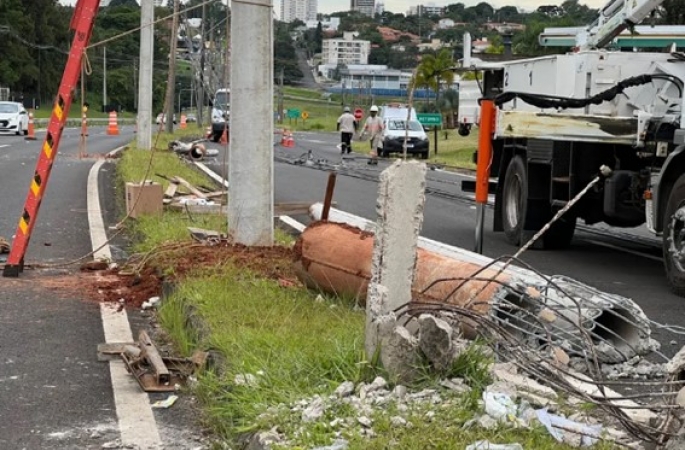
(113, 129)
(31, 136)
(183, 121)
(224, 137)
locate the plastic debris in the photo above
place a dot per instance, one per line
(166, 403)
(487, 445)
(559, 427)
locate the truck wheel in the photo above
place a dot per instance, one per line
(674, 238)
(514, 209)
(424, 155)
(514, 194)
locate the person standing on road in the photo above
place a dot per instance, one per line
(374, 127)
(347, 125)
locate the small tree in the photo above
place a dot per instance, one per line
(434, 70)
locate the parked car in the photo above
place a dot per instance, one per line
(191, 118)
(161, 118)
(13, 118)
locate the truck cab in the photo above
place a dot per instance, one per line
(221, 113)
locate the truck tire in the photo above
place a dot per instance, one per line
(514, 195)
(515, 206)
(674, 237)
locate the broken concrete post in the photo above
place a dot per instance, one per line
(401, 196)
(543, 312)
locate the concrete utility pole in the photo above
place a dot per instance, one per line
(201, 84)
(171, 81)
(104, 79)
(250, 161)
(280, 97)
(147, 17)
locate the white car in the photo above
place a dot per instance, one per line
(13, 118)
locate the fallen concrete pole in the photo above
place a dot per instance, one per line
(337, 258)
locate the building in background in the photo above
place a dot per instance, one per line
(366, 7)
(304, 10)
(346, 51)
(327, 24)
(380, 8)
(426, 10)
(159, 2)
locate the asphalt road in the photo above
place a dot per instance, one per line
(54, 393)
(620, 261)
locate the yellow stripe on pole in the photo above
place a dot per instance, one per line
(47, 148)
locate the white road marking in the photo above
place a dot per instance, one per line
(137, 423)
(4, 145)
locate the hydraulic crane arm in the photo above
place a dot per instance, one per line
(614, 17)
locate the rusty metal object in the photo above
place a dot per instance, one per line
(330, 187)
(336, 258)
(153, 372)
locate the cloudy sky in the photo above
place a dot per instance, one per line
(401, 6)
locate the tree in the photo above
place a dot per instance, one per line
(673, 12)
(448, 105)
(434, 70)
(125, 3)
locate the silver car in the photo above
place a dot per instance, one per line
(13, 118)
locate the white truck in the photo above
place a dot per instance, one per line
(468, 114)
(396, 128)
(221, 113)
(559, 118)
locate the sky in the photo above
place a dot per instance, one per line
(402, 6)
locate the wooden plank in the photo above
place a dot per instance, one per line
(171, 190)
(198, 193)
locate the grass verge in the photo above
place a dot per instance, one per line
(290, 345)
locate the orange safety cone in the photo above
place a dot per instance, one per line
(31, 135)
(183, 121)
(113, 129)
(224, 137)
(290, 140)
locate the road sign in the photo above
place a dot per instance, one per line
(294, 113)
(358, 113)
(431, 119)
(304, 115)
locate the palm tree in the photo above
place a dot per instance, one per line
(433, 71)
(448, 105)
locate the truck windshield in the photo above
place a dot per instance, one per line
(222, 100)
(400, 125)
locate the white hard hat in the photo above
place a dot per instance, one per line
(347, 109)
(374, 108)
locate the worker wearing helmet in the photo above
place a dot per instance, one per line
(374, 128)
(347, 125)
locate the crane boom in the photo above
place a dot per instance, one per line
(615, 17)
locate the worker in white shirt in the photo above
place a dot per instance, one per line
(374, 128)
(347, 125)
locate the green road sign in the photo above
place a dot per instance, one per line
(431, 119)
(294, 113)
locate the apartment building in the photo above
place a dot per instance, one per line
(347, 51)
(304, 10)
(366, 7)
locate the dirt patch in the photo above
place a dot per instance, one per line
(138, 281)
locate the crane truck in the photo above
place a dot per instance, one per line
(560, 118)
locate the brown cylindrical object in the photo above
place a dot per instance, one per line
(337, 258)
(330, 187)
